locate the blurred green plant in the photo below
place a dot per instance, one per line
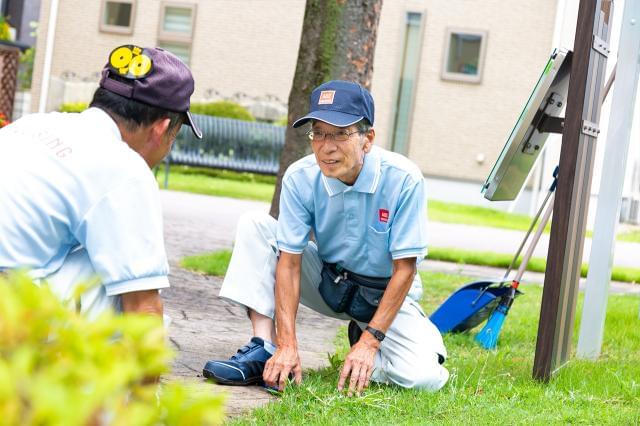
(223, 109)
(5, 34)
(74, 107)
(25, 72)
(282, 121)
(59, 368)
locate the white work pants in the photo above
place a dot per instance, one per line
(408, 355)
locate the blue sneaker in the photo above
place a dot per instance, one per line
(244, 368)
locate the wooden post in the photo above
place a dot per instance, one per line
(566, 243)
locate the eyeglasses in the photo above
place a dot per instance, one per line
(319, 135)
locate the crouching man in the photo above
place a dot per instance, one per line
(79, 200)
(366, 208)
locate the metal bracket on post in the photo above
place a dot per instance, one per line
(590, 129)
(601, 46)
(550, 124)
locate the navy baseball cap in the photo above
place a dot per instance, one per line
(339, 103)
(153, 76)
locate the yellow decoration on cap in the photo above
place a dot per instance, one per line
(140, 65)
(121, 57)
(130, 62)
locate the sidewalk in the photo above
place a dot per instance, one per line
(214, 220)
(506, 241)
(206, 327)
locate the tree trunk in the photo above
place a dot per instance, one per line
(338, 43)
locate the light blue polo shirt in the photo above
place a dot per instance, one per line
(363, 227)
(68, 180)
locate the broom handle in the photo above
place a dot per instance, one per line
(534, 242)
(552, 188)
(526, 237)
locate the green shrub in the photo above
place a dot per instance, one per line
(4, 29)
(74, 107)
(282, 121)
(223, 109)
(58, 368)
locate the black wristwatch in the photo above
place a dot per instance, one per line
(379, 335)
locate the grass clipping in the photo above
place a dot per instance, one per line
(59, 368)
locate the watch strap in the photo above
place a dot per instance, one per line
(379, 335)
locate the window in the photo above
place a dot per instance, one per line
(409, 64)
(464, 55)
(117, 16)
(175, 32)
(181, 50)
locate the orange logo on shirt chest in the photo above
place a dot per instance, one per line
(383, 215)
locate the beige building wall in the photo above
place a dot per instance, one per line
(456, 123)
(251, 46)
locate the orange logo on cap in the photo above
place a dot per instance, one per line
(326, 97)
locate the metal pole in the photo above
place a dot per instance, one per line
(559, 296)
(48, 55)
(534, 240)
(611, 185)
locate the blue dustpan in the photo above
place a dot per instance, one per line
(469, 306)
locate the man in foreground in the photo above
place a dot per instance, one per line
(78, 198)
(366, 208)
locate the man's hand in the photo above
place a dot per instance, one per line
(278, 367)
(144, 302)
(359, 364)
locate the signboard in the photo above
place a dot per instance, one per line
(540, 116)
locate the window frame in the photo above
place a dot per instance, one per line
(189, 46)
(173, 37)
(456, 76)
(397, 76)
(117, 29)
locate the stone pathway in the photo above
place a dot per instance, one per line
(206, 327)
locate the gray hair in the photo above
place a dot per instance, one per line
(364, 126)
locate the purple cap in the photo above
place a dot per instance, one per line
(153, 76)
(340, 103)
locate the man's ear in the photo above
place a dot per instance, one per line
(368, 140)
(158, 129)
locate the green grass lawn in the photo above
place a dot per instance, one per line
(216, 263)
(536, 264)
(485, 387)
(245, 186)
(480, 216)
(253, 186)
(630, 237)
